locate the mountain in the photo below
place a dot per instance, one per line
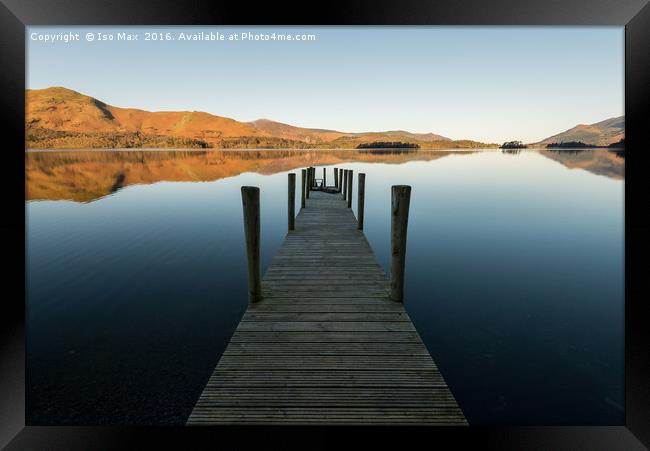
(63, 110)
(286, 131)
(58, 117)
(600, 134)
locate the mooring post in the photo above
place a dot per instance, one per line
(400, 200)
(345, 183)
(324, 178)
(250, 196)
(362, 195)
(340, 179)
(336, 178)
(303, 172)
(292, 201)
(307, 188)
(349, 198)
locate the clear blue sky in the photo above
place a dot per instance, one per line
(484, 83)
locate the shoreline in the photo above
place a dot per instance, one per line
(298, 149)
(269, 149)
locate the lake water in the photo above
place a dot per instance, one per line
(136, 275)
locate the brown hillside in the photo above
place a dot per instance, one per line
(313, 135)
(66, 110)
(286, 131)
(601, 133)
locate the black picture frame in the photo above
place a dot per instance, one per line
(633, 14)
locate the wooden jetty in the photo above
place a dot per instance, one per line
(326, 344)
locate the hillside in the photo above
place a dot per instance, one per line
(58, 117)
(63, 110)
(600, 134)
(286, 131)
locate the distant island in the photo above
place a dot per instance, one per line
(569, 145)
(513, 145)
(618, 144)
(60, 118)
(388, 145)
(581, 145)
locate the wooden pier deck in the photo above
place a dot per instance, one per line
(326, 345)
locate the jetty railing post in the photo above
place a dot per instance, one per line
(349, 198)
(336, 178)
(345, 183)
(304, 184)
(307, 187)
(250, 196)
(324, 178)
(341, 179)
(292, 202)
(400, 200)
(362, 197)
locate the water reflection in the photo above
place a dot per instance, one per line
(610, 163)
(88, 175)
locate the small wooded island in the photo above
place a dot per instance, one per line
(569, 145)
(513, 145)
(388, 145)
(581, 145)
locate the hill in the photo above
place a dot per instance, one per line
(58, 117)
(63, 110)
(286, 131)
(601, 133)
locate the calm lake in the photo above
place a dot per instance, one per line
(136, 275)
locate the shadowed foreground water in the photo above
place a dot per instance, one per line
(136, 275)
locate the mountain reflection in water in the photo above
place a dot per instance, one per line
(86, 175)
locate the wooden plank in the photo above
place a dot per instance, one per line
(324, 308)
(325, 326)
(320, 317)
(325, 337)
(302, 299)
(362, 348)
(324, 379)
(326, 345)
